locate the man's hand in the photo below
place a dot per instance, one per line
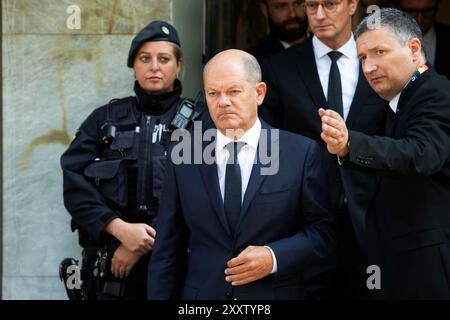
(252, 264)
(138, 238)
(123, 261)
(334, 132)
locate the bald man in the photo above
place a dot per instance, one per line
(248, 224)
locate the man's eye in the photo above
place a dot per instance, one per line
(330, 4)
(380, 52)
(211, 94)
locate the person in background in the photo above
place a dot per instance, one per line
(436, 36)
(288, 26)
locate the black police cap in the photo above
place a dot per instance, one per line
(155, 31)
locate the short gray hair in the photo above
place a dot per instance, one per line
(252, 69)
(401, 25)
(250, 66)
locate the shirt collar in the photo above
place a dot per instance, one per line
(284, 44)
(348, 49)
(251, 137)
(394, 102)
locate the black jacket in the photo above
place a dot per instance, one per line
(268, 47)
(408, 222)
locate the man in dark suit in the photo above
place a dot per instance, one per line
(287, 24)
(408, 223)
(229, 228)
(300, 81)
(436, 35)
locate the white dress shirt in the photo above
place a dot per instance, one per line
(246, 159)
(284, 44)
(393, 104)
(348, 65)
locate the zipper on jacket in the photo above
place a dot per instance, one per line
(144, 165)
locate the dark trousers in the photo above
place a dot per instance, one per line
(350, 277)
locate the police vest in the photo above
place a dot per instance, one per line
(130, 171)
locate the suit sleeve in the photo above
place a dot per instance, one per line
(84, 202)
(315, 241)
(421, 152)
(271, 110)
(166, 266)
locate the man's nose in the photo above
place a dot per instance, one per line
(369, 67)
(291, 11)
(224, 101)
(320, 14)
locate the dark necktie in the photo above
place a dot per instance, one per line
(334, 84)
(233, 186)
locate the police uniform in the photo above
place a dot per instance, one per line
(114, 169)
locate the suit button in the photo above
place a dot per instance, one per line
(228, 295)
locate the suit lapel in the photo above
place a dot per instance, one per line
(211, 182)
(359, 99)
(307, 69)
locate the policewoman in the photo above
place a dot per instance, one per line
(113, 170)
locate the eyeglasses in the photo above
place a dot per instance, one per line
(426, 12)
(327, 5)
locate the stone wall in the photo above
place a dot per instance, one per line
(53, 77)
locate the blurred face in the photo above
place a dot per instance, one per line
(232, 100)
(156, 66)
(331, 20)
(423, 11)
(387, 65)
(287, 18)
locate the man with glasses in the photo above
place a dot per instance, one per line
(436, 35)
(325, 71)
(287, 23)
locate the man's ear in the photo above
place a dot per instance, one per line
(416, 48)
(353, 4)
(264, 9)
(261, 89)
